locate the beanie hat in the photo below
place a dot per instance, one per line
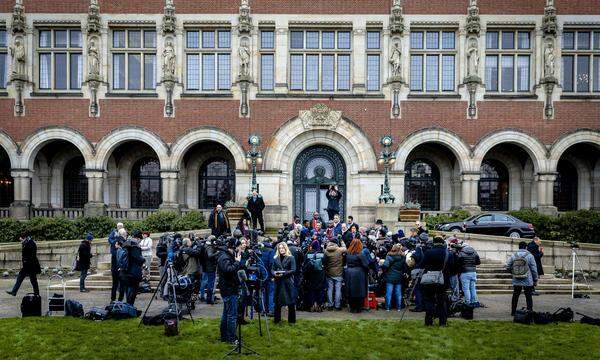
(137, 234)
(423, 237)
(316, 245)
(89, 237)
(438, 240)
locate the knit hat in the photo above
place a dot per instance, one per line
(89, 237)
(438, 240)
(316, 245)
(137, 234)
(424, 237)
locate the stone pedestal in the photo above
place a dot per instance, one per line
(170, 207)
(548, 210)
(470, 189)
(20, 210)
(94, 209)
(388, 213)
(169, 190)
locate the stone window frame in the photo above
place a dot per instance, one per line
(515, 52)
(440, 52)
(268, 51)
(4, 52)
(143, 51)
(200, 51)
(592, 52)
(52, 50)
(373, 52)
(320, 52)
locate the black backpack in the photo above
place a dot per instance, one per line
(589, 320)
(73, 308)
(542, 318)
(96, 314)
(31, 305)
(563, 315)
(523, 316)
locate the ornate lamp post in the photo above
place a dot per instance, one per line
(386, 158)
(254, 157)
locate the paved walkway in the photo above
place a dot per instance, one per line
(497, 306)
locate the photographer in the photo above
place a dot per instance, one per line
(523, 268)
(209, 265)
(468, 260)
(161, 254)
(537, 250)
(228, 264)
(267, 255)
(114, 267)
(84, 259)
(436, 259)
(454, 272)
(314, 277)
(333, 262)
(130, 266)
(284, 268)
(333, 201)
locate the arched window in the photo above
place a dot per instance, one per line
(6, 182)
(217, 183)
(75, 184)
(146, 184)
(422, 184)
(493, 186)
(565, 187)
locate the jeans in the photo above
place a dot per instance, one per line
(454, 287)
(147, 262)
(208, 284)
(334, 283)
(82, 276)
(517, 293)
(32, 277)
(132, 290)
(419, 302)
(268, 293)
(229, 318)
(468, 281)
(396, 291)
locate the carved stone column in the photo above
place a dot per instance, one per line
(95, 205)
(526, 196)
(113, 191)
(595, 205)
(470, 190)
(45, 191)
(244, 79)
(94, 60)
(169, 190)
(169, 56)
(545, 183)
(472, 79)
(20, 209)
(549, 81)
(395, 58)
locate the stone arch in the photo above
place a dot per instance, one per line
(446, 169)
(11, 148)
(194, 136)
(535, 149)
(347, 138)
(109, 142)
(34, 142)
(562, 144)
(124, 169)
(459, 147)
(57, 168)
(515, 175)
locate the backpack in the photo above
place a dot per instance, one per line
(563, 315)
(523, 316)
(542, 318)
(120, 310)
(73, 308)
(520, 268)
(315, 261)
(31, 305)
(96, 314)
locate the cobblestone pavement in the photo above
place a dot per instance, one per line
(497, 306)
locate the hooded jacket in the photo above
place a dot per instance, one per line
(333, 259)
(532, 276)
(468, 259)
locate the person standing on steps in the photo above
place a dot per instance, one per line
(255, 206)
(146, 246)
(84, 260)
(114, 266)
(218, 222)
(31, 265)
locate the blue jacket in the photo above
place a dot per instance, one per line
(112, 240)
(337, 230)
(267, 254)
(532, 276)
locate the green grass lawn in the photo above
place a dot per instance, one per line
(68, 338)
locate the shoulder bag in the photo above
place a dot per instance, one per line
(435, 277)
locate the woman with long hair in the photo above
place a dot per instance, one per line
(283, 269)
(356, 276)
(393, 274)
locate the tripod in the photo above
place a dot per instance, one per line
(239, 346)
(575, 258)
(260, 303)
(412, 290)
(173, 274)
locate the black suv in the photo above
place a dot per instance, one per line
(491, 224)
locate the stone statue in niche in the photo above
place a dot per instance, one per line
(549, 58)
(473, 57)
(244, 55)
(93, 59)
(17, 51)
(169, 57)
(396, 60)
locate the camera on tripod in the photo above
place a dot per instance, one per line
(574, 244)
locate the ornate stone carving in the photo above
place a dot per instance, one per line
(93, 20)
(396, 19)
(549, 81)
(169, 60)
(549, 58)
(473, 25)
(244, 56)
(320, 115)
(473, 58)
(169, 24)
(19, 56)
(549, 23)
(93, 60)
(18, 18)
(244, 19)
(472, 79)
(396, 60)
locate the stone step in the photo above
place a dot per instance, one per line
(494, 276)
(541, 291)
(509, 281)
(497, 286)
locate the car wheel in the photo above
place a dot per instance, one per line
(514, 234)
(455, 229)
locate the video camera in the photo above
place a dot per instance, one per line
(283, 233)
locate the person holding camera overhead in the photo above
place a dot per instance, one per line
(228, 264)
(333, 201)
(284, 268)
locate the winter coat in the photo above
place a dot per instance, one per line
(314, 279)
(84, 255)
(337, 229)
(227, 267)
(468, 259)
(266, 256)
(285, 292)
(298, 257)
(161, 252)
(209, 258)
(191, 257)
(532, 276)
(112, 240)
(135, 260)
(333, 202)
(333, 260)
(31, 264)
(314, 222)
(394, 268)
(356, 275)
(219, 223)
(257, 206)
(433, 260)
(534, 249)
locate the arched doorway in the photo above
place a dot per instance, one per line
(216, 182)
(146, 184)
(315, 169)
(6, 180)
(493, 186)
(422, 184)
(565, 187)
(75, 184)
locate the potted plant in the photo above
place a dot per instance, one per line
(235, 211)
(410, 212)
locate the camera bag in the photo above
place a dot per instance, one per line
(523, 316)
(563, 315)
(542, 318)
(171, 327)
(73, 308)
(120, 310)
(96, 314)
(31, 305)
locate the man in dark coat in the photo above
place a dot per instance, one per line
(218, 222)
(31, 265)
(537, 250)
(255, 206)
(84, 260)
(130, 266)
(208, 259)
(118, 232)
(333, 201)
(437, 259)
(228, 264)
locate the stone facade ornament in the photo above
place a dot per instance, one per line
(472, 79)
(18, 18)
(169, 24)
(320, 116)
(244, 55)
(549, 58)
(169, 60)
(549, 23)
(395, 80)
(93, 21)
(18, 52)
(396, 19)
(396, 60)
(94, 78)
(549, 81)
(93, 60)
(244, 19)
(169, 56)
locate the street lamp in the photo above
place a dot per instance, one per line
(253, 157)
(386, 158)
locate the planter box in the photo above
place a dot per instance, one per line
(410, 215)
